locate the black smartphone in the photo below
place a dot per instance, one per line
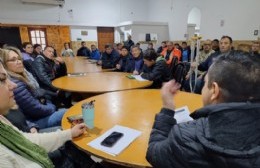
(112, 139)
(178, 72)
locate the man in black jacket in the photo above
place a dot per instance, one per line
(47, 68)
(109, 58)
(155, 69)
(83, 51)
(225, 133)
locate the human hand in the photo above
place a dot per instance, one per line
(135, 72)
(59, 59)
(193, 65)
(33, 130)
(78, 130)
(118, 66)
(99, 62)
(187, 76)
(200, 77)
(168, 91)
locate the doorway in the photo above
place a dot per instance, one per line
(105, 36)
(10, 36)
(194, 20)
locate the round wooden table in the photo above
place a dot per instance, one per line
(81, 64)
(99, 83)
(134, 109)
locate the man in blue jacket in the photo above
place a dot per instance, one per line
(225, 132)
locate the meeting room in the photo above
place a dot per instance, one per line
(129, 84)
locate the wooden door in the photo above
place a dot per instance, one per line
(105, 36)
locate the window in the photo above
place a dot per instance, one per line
(38, 36)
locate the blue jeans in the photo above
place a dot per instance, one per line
(52, 120)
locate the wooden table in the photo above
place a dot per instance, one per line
(81, 64)
(135, 109)
(99, 83)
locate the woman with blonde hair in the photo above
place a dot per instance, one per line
(31, 102)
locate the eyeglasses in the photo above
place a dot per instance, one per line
(14, 59)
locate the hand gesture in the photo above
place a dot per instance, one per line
(168, 91)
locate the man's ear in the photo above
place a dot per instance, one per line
(215, 92)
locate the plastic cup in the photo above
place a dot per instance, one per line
(88, 114)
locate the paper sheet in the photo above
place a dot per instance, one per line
(139, 78)
(77, 74)
(129, 136)
(182, 114)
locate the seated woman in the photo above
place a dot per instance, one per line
(123, 60)
(155, 69)
(135, 63)
(19, 149)
(36, 109)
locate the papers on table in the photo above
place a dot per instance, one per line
(182, 114)
(129, 136)
(139, 78)
(77, 74)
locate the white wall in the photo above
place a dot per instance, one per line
(175, 12)
(139, 30)
(240, 17)
(194, 17)
(75, 32)
(84, 12)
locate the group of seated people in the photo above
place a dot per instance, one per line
(35, 96)
(224, 133)
(92, 53)
(32, 105)
(156, 65)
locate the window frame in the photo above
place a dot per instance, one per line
(38, 29)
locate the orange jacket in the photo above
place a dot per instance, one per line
(175, 53)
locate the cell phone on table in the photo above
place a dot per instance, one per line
(112, 139)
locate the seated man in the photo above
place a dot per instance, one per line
(67, 52)
(155, 69)
(203, 55)
(150, 47)
(95, 54)
(186, 52)
(225, 133)
(83, 51)
(255, 49)
(109, 57)
(123, 60)
(225, 47)
(48, 68)
(135, 63)
(162, 47)
(170, 52)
